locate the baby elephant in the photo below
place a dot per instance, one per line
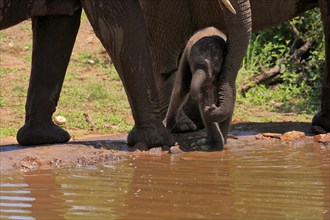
(198, 73)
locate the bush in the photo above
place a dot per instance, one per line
(301, 79)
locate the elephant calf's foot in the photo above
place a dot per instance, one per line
(153, 135)
(322, 120)
(208, 145)
(216, 145)
(48, 133)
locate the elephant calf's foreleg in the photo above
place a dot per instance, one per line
(178, 97)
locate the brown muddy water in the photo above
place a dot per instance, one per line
(246, 181)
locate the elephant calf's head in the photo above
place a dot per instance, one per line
(205, 60)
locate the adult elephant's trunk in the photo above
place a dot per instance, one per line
(238, 28)
(197, 81)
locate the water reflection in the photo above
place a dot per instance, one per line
(247, 181)
(191, 186)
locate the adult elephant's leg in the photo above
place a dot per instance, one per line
(322, 118)
(53, 40)
(121, 28)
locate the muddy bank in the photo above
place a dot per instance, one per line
(100, 149)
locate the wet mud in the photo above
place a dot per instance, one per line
(102, 149)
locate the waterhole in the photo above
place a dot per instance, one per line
(246, 181)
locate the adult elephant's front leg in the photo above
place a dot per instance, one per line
(53, 40)
(121, 28)
(322, 118)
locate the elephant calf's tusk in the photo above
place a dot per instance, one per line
(228, 5)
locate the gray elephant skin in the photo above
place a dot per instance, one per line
(199, 69)
(119, 24)
(166, 48)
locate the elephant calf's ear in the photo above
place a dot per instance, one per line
(228, 5)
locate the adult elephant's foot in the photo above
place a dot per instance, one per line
(322, 119)
(153, 135)
(47, 133)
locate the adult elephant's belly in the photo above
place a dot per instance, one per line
(266, 14)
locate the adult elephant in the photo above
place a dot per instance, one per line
(121, 28)
(170, 25)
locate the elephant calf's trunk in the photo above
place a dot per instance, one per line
(197, 81)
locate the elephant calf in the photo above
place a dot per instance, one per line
(198, 73)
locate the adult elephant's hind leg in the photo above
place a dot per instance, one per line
(53, 40)
(322, 118)
(120, 26)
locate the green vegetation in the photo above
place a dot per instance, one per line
(94, 103)
(301, 79)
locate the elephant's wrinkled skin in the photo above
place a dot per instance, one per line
(190, 16)
(121, 28)
(199, 69)
(110, 21)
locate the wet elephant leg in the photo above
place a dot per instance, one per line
(225, 127)
(215, 138)
(121, 28)
(53, 40)
(322, 118)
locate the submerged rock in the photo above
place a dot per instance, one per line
(288, 136)
(293, 136)
(322, 138)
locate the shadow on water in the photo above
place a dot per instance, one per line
(253, 128)
(112, 145)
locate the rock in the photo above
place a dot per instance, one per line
(155, 150)
(259, 137)
(231, 136)
(272, 135)
(60, 120)
(322, 138)
(293, 136)
(175, 150)
(267, 136)
(91, 62)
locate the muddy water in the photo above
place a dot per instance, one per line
(247, 181)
